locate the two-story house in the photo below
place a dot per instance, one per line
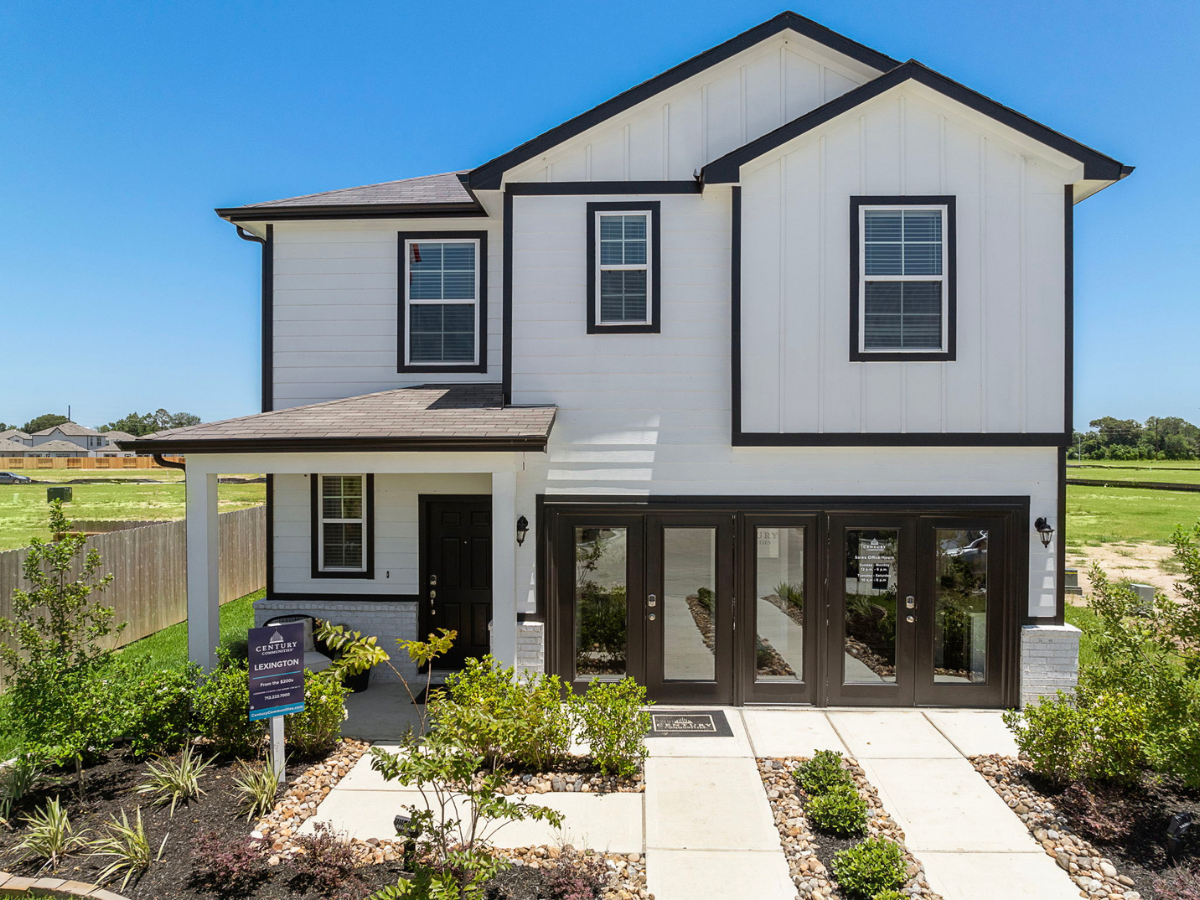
(752, 382)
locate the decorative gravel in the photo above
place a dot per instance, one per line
(804, 848)
(572, 782)
(1095, 875)
(626, 878)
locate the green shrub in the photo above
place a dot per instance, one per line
(17, 779)
(869, 867)
(890, 894)
(160, 707)
(823, 773)
(613, 722)
(174, 782)
(840, 810)
(706, 598)
(316, 731)
(222, 705)
(501, 718)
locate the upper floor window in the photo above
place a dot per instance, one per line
(902, 278)
(342, 512)
(443, 297)
(623, 270)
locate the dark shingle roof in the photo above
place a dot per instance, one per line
(407, 195)
(429, 417)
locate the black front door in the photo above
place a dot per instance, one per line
(456, 573)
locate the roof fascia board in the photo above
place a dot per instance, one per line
(490, 175)
(726, 169)
(338, 445)
(241, 214)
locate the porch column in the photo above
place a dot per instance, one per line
(203, 569)
(504, 567)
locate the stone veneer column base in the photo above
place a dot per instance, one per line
(388, 620)
(1049, 660)
(531, 648)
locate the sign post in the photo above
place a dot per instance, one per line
(276, 679)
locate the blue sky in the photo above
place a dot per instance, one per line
(125, 124)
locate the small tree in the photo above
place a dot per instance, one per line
(53, 646)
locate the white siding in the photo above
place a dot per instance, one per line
(395, 538)
(678, 131)
(336, 308)
(1007, 377)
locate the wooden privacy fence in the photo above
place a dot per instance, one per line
(149, 567)
(81, 462)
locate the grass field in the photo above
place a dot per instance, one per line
(1182, 472)
(1101, 515)
(23, 506)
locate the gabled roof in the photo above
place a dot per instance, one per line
(431, 417)
(13, 434)
(442, 194)
(55, 447)
(117, 436)
(67, 428)
(1096, 165)
(489, 176)
(12, 448)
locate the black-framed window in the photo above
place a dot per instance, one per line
(624, 268)
(902, 279)
(343, 526)
(443, 301)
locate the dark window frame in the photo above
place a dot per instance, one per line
(481, 324)
(654, 326)
(368, 527)
(950, 326)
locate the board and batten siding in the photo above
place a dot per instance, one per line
(676, 132)
(336, 308)
(649, 414)
(396, 533)
(797, 376)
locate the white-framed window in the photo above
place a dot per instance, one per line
(342, 524)
(624, 260)
(442, 300)
(905, 289)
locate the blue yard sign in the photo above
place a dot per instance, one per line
(276, 670)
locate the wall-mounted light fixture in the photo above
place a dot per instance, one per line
(522, 530)
(1045, 532)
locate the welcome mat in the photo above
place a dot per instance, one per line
(689, 723)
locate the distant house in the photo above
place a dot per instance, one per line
(16, 437)
(91, 441)
(9, 447)
(56, 448)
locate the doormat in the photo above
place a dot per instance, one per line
(689, 723)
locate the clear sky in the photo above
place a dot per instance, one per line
(123, 124)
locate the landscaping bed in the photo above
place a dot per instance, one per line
(810, 854)
(1111, 840)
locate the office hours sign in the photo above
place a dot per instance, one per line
(276, 670)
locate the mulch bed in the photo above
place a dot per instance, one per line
(110, 786)
(1111, 841)
(810, 855)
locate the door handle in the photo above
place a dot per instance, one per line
(433, 580)
(910, 602)
(651, 600)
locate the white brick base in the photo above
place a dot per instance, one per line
(1049, 660)
(531, 648)
(388, 620)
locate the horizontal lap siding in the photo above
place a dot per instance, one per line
(1007, 376)
(395, 538)
(336, 310)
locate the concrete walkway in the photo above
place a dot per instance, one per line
(706, 829)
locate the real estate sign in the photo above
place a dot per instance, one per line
(276, 670)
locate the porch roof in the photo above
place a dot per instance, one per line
(430, 417)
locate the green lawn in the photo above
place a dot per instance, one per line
(1102, 515)
(1182, 472)
(23, 506)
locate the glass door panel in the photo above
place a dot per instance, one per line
(601, 593)
(960, 606)
(689, 604)
(779, 604)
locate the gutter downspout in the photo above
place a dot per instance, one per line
(168, 463)
(268, 311)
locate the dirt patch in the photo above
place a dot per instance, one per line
(1142, 563)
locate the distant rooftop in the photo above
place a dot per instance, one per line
(68, 428)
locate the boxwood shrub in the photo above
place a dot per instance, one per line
(822, 773)
(869, 868)
(840, 811)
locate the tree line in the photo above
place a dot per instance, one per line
(137, 424)
(1127, 439)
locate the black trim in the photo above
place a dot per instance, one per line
(1060, 547)
(480, 302)
(735, 316)
(950, 275)
(306, 597)
(1069, 308)
(587, 188)
(490, 175)
(337, 444)
(270, 511)
(905, 439)
(268, 312)
(654, 326)
(167, 463)
(368, 522)
(507, 301)
(1096, 166)
(924, 503)
(237, 214)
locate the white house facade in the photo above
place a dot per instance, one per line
(753, 383)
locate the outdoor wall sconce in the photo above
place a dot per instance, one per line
(1045, 532)
(522, 530)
